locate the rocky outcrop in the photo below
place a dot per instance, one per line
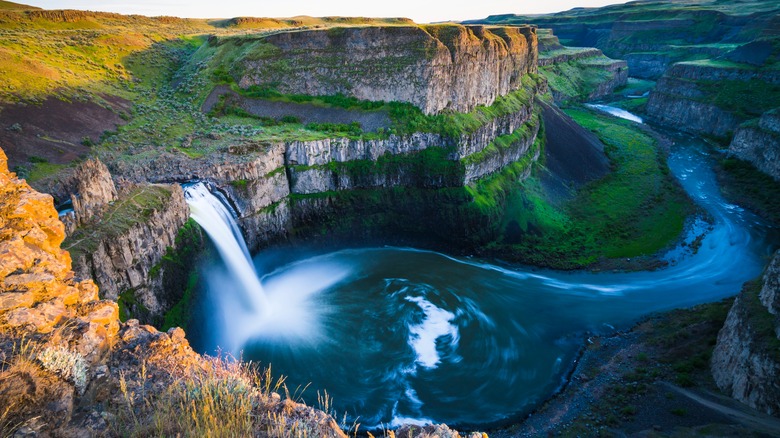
(770, 290)
(94, 190)
(676, 103)
(686, 98)
(563, 54)
(66, 357)
(260, 177)
(37, 287)
(434, 67)
(746, 359)
(759, 143)
(130, 240)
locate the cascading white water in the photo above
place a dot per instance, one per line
(220, 225)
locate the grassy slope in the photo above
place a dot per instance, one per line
(577, 79)
(637, 210)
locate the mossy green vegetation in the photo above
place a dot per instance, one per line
(745, 99)
(406, 118)
(636, 210)
(180, 274)
(577, 79)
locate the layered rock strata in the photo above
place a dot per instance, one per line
(683, 98)
(759, 143)
(746, 359)
(261, 177)
(434, 67)
(579, 74)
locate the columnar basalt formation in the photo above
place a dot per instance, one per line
(118, 240)
(434, 67)
(122, 259)
(262, 177)
(746, 359)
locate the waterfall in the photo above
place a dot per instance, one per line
(212, 214)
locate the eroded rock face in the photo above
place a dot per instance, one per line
(770, 291)
(94, 190)
(680, 101)
(746, 362)
(433, 67)
(37, 286)
(760, 144)
(124, 261)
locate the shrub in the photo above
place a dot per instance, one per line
(67, 364)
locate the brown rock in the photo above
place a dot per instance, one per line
(95, 343)
(95, 189)
(42, 317)
(14, 300)
(14, 256)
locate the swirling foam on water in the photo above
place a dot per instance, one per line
(380, 328)
(424, 336)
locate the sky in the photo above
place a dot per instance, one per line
(421, 11)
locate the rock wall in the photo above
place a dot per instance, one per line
(122, 259)
(746, 360)
(66, 356)
(679, 100)
(94, 190)
(261, 177)
(436, 67)
(674, 102)
(759, 143)
(37, 287)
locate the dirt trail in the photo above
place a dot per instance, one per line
(726, 406)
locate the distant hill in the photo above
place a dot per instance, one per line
(15, 6)
(652, 35)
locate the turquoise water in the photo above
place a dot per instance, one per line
(399, 335)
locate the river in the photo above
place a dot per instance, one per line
(398, 335)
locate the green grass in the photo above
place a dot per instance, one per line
(762, 324)
(636, 210)
(746, 99)
(179, 314)
(576, 80)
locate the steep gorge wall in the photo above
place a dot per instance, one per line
(759, 143)
(746, 359)
(118, 239)
(262, 178)
(686, 97)
(434, 67)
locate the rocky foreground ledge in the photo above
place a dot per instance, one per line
(69, 367)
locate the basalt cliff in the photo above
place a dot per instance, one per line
(746, 359)
(433, 67)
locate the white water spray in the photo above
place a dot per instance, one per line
(212, 215)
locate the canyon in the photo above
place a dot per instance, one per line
(316, 134)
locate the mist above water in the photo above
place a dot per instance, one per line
(400, 335)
